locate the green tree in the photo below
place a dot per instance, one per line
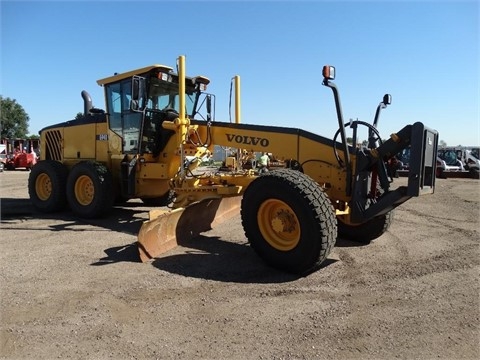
(13, 119)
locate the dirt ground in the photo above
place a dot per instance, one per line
(75, 289)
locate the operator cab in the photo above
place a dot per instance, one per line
(138, 119)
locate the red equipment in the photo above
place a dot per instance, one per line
(21, 160)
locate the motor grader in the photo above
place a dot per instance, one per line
(157, 125)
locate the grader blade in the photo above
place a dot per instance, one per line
(166, 230)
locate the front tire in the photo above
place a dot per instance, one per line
(288, 220)
(46, 186)
(90, 190)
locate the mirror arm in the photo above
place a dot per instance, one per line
(383, 104)
(341, 123)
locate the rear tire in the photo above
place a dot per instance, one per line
(288, 220)
(90, 190)
(366, 232)
(47, 186)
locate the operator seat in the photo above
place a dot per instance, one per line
(162, 136)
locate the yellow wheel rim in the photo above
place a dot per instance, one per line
(43, 187)
(84, 190)
(278, 224)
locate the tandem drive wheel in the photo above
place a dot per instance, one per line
(46, 186)
(90, 189)
(289, 220)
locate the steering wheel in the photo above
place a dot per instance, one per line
(372, 128)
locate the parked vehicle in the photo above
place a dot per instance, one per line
(447, 160)
(3, 156)
(403, 158)
(465, 157)
(21, 159)
(471, 159)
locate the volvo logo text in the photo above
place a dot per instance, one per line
(248, 140)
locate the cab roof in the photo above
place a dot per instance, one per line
(125, 75)
(147, 69)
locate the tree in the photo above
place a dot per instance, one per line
(13, 119)
(442, 144)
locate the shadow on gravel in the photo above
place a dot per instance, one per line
(204, 257)
(10, 207)
(125, 253)
(341, 243)
(215, 259)
(209, 257)
(127, 218)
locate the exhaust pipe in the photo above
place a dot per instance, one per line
(87, 102)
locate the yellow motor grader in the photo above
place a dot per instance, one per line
(157, 126)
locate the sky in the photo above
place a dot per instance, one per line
(424, 53)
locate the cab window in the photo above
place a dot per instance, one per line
(123, 121)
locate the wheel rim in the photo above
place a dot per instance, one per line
(278, 224)
(84, 190)
(43, 187)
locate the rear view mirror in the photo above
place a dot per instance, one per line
(209, 103)
(138, 93)
(387, 99)
(134, 105)
(138, 87)
(209, 107)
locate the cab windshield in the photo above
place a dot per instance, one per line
(164, 95)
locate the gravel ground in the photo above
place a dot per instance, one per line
(74, 289)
